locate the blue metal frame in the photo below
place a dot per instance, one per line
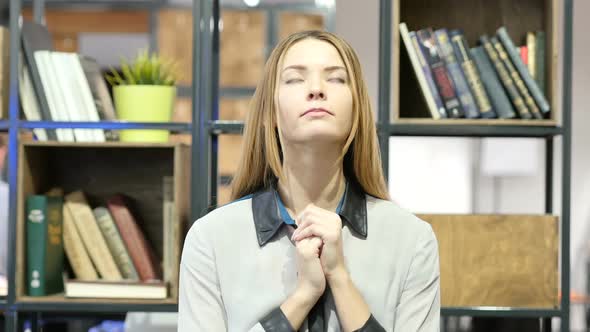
(107, 125)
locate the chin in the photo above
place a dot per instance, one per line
(325, 136)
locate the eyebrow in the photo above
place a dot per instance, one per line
(302, 67)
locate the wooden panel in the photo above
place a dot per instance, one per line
(101, 170)
(182, 113)
(291, 22)
(497, 260)
(242, 48)
(230, 146)
(474, 18)
(234, 109)
(175, 40)
(67, 21)
(65, 42)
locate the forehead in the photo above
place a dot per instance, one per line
(312, 52)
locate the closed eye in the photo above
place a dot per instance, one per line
(337, 80)
(293, 80)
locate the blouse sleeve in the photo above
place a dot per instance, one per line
(419, 306)
(200, 304)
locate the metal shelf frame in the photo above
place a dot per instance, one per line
(205, 129)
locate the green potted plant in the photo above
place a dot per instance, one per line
(144, 91)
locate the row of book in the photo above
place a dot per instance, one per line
(486, 81)
(61, 86)
(107, 251)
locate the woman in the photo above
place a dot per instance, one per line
(312, 242)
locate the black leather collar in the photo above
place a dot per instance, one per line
(267, 218)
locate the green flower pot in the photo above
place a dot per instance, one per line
(144, 103)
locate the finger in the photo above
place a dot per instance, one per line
(311, 230)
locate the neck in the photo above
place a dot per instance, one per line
(312, 174)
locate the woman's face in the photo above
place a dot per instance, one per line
(314, 98)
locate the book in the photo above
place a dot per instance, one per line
(423, 74)
(500, 101)
(461, 49)
(531, 63)
(461, 87)
(140, 250)
(523, 51)
(115, 243)
(124, 289)
(36, 37)
(433, 90)
(75, 250)
(445, 86)
(528, 83)
(505, 78)
(44, 245)
(171, 225)
(92, 237)
(540, 60)
(98, 88)
(4, 71)
(28, 98)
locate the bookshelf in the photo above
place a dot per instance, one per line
(134, 169)
(474, 18)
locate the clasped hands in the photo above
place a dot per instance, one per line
(320, 258)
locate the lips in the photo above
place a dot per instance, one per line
(317, 110)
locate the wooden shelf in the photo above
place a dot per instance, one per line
(58, 303)
(503, 261)
(474, 18)
(467, 129)
(499, 312)
(101, 170)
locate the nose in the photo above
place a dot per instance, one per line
(316, 94)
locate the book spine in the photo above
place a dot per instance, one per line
(461, 87)
(36, 209)
(92, 237)
(54, 256)
(524, 54)
(28, 51)
(531, 46)
(540, 60)
(75, 251)
(473, 77)
(440, 74)
(517, 100)
(418, 70)
(139, 249)
(525, 81)
(516, 78)
(492, 84)
(115, 243)
(4, 71)
(171, 234)
(440, 108)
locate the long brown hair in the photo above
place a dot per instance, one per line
(261, 161)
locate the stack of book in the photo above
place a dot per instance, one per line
(107, 251)
(486, 81)
(61, 86)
